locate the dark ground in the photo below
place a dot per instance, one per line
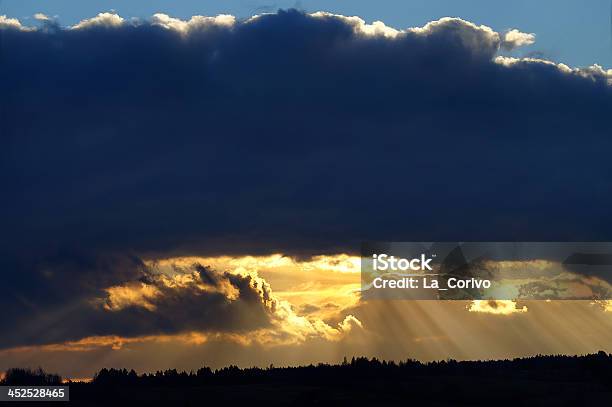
(538, 381)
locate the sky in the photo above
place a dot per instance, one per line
(568, 30)
(188, 192)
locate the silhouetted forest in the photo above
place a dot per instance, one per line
(540, 380)
(36, 377)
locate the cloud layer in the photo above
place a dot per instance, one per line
(296, 133)
(178, 301)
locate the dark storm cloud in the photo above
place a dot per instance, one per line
(293, 132)
(70, 303)
(287, 132)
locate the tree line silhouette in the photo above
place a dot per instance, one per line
(30, 377)
(539, 380)
(567, 367)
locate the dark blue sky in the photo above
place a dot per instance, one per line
(569, 31)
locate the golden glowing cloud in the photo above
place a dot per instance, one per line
(605, 305)
(315, 291)
(112, 342)
(322, 286)
(497, 307)
(131, 294)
